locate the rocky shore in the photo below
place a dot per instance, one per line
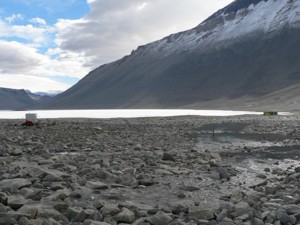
(241, 170)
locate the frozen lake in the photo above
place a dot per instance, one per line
(123, 113)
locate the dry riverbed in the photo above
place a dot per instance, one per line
(151, 171)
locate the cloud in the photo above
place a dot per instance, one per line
(28, 32)
(17, 58)
(38, 20)
(114, 28)
(14, 18)
(32, 83)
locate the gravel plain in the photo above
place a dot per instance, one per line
(151, 171)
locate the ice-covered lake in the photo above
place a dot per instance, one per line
(123, 113)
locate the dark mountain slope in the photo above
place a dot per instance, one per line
(232, 60)
(14, 99)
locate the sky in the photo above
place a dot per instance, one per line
(49, 45)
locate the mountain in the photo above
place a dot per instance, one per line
(245, 56)
(48, 93)
(13, 99)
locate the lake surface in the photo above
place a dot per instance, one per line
(123, 113)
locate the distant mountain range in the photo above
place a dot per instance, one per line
(245, 56)
(12, 99)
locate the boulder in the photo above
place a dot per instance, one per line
(13, 185)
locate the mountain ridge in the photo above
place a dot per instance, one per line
(11, 99)
(247, 52)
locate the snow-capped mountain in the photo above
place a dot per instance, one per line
(246, 55)
(231, 24)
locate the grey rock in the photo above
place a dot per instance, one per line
(30, 210)
(3, 198)
(110, 209)
(188, 188)
(93, 222)
(168, 157)
(24, 221)
(16, 202)
(125, 216)
(222, 215)
(242, 208)
(93, 214)
(72, 212)
(181, 206)
(292, 209)
(282, 216)
(160, 218)
(13, 185)
(110, 220)
(297, 169)
(223, 172)
(237, 196)
(257, 221)
(48, 212)
(8, 221)
(201, 212)
(96, 185)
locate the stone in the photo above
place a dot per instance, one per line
(93, 214)
(72, 212)
(110, 209)
(13, 185)
(160, 218)
(181, 206)
(125, 216)
(8, 221)
(282, 216)
(93, 222)
(297, 169)
(147, 181)
(223, 173)
(3, 198)
(188, 188)
(237, 196)
(16, 202)
(222, 215)
(201, 213)
(52, 177)
(257, 221)
(24, 221)
(96, 185)
(292, 209)
(289, 199)
(48, 212)
(30, 210)
(242, 208)
(168, 157)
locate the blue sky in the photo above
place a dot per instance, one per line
(49, 45)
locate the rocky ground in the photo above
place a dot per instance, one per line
(151, 171)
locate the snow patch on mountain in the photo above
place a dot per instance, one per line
(266, 18)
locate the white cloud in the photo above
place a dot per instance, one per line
(114, 28)
(17, 58)
(38, 20)
(32, 83)
(14, 18)
(29, 32)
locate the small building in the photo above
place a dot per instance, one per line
(31, 117)
(270, 113)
